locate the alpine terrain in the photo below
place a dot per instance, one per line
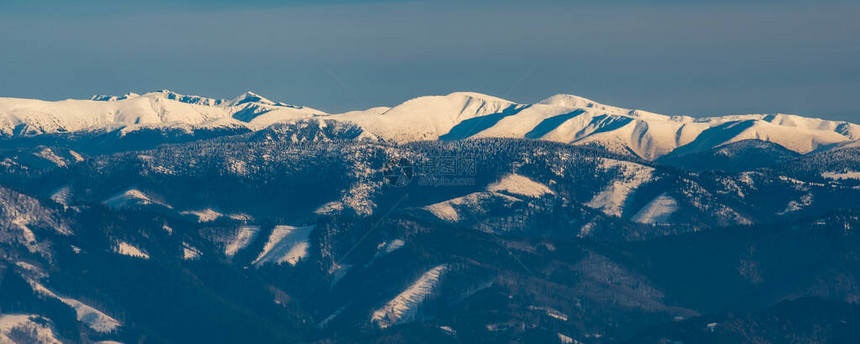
(462, 218)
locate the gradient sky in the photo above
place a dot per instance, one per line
(675, 57)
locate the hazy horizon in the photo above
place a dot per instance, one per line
(676, 58)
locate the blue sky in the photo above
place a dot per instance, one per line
(675, 57)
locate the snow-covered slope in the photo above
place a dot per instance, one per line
(93, 318)
(432, 117)
(243, 237)
(130, 250)
(452, 210)
(612, 198)
(23, 217)
(659, 210)
(130, 198)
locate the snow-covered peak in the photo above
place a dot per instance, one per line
(250, 97)
(568, 100)
(455, 99)
(561, 118)
(430, 117)
(188, 99)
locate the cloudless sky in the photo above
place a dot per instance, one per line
(675, 57)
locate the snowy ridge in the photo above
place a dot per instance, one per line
(841, 175)
(31, 117)
(18, 213)
(190, 252)
(511, 184)
(520, 185)
(41, 330)
(426, 118)
(404, 307)
(659, 210)
(203, 215)
(209, 215)
(387, 247)
(579, 121)
(90, 316)
(130, 198)
(550, 312)
(450, 210)
(460, 115)
(241, 239)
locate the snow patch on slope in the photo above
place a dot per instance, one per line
(286, 244)
(520, 185)
(631, 175)
(404, 307)
(388, 247)
(242, 238)
(797, 205)
(190, 252)
(204, 215)
(444, 210)
(550, 312)
(41, 330)
(90, 316)
(130, 250)
(18, 212)
(129, 198)
(62, 195)
(657, 211)
(449, 210)
(561, 118)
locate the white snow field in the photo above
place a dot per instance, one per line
(286, 244)
(29, 323)
(612, 198)
(657, 211)
(130, 250)
(560, 118)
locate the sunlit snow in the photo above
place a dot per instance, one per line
(242, 238)
(286, 244)
(130, 250)
(657, 211)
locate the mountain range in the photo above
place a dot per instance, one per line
(560, 118)
(465, 218)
